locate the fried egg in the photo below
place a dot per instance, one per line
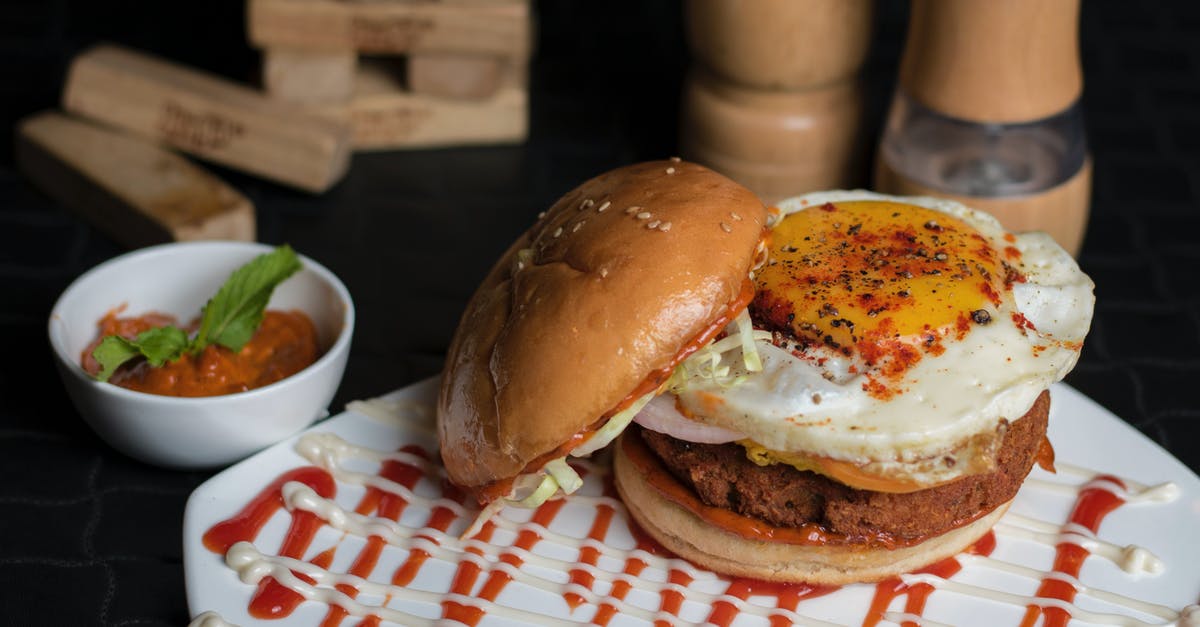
(906, 332)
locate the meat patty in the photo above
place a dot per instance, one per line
(783, 496)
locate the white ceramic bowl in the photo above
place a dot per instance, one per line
(197, 432)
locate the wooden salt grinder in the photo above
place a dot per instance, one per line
(997, 85)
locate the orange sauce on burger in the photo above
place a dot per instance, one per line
(285, 343)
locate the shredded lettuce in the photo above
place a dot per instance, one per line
(554, 479)
(746, 333)
(546, 489)
(710, 363)
(564, 475)
(612, 428)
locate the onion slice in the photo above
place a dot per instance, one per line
(660, 415)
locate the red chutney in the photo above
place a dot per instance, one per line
(284, 344)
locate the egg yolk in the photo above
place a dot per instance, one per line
(881, 281)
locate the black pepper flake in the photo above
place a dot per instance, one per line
(981, 316)
(933, 226)
(855, 228)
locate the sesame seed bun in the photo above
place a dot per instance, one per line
(690, 537)
(608, 287)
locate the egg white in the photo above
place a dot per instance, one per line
(994, 373)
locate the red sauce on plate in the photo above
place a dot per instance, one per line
(284, 344)
(474, 588)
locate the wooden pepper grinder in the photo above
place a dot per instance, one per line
(774, 101)
(988, 113)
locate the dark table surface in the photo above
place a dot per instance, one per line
(88, 536)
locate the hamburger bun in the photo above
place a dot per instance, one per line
(616, 282)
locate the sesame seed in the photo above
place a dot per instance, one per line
(603, 207)
(666, 226)
(558, 231)
(587, 202)
(675, 159)
(578, 225)
(643, 215)
(541, 215)
(654, 224)
(670, 170)
(735, 216)
(632, 210)
(603, 272)
(726, 228)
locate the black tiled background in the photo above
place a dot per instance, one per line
(89, 537)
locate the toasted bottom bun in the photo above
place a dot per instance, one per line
(711, 547)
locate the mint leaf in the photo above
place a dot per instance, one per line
(113, 351)
(232, 315)
(158, 346)
(162, 344)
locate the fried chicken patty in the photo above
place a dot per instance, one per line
(722, 476)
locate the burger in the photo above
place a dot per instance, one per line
(585, 318)
(898, 399)
(855, 391)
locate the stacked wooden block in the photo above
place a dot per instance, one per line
(401, 73)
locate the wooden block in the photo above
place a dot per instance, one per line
(135, 191)
(494, 27)
(309, 76)
(208, 116)
(386, 117)
(450, 75)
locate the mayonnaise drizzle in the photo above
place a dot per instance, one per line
(298, 496)
(1152, 609)
(1130, 558)
(544, 572)
(1134, 492)
(1021, 600)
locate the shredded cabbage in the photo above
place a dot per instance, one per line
(613, 427)
(554, 479)
(749, 351)
(546, 489)
(709, 363)
(564, 475)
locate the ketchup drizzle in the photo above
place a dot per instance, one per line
(1092, 505)
(386, 505)
(887, 590)
(273, 600)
